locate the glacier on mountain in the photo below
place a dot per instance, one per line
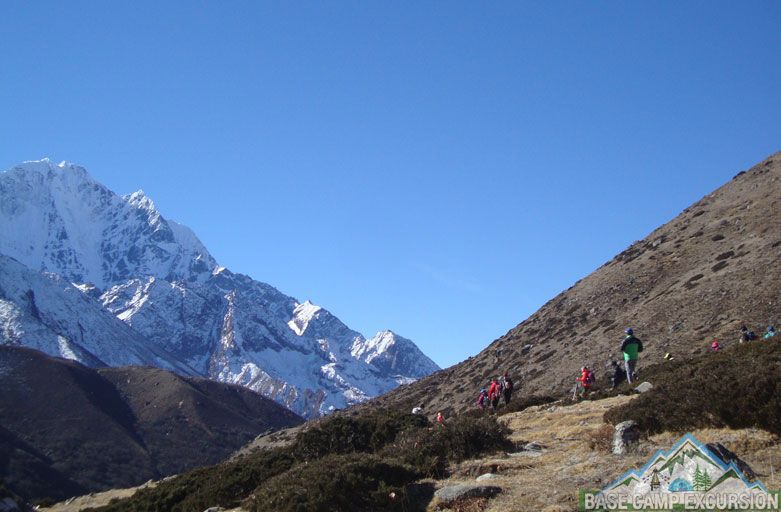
(163, 290)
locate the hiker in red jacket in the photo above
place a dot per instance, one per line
(494, 393)
(583, 382)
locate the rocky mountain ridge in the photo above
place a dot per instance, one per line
(158, 278)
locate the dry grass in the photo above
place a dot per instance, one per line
(96, 499)
(601, 439)
(551, 481)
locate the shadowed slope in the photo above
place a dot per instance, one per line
(69, 428)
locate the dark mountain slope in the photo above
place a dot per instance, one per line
(703, 274)
(69, 428)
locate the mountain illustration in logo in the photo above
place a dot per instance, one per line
(688, 467)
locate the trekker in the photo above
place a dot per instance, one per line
(714, 346)
(771, 331)
(746, 335)
(482, 399)
(583, 382)
(508, 388)
(617, 374)
(631, 347)
(440, 419)
(493, 394)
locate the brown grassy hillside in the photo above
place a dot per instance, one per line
(68, 429)
(703, 274)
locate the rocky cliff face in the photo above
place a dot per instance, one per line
(156, 277)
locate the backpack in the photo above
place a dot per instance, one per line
(590, 377)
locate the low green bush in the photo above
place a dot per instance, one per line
(225, 484)
(360, 462)
(352, 482)
(462, 437)
(343, 434)
(737, 388)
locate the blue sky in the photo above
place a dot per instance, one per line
(441, 169)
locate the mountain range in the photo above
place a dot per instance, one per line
(106, 280)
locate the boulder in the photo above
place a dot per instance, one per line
(533, 447)
(453, 493)
(487, 476)
(526, 348)
(626, 435)
(720, 451)
(645, 386)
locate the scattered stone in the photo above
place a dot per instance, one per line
(487, 476)
(526, 348)
(727, 456)
(453, 493)
(626, 435)
(645, 386)
(533, 447)
(214, 509)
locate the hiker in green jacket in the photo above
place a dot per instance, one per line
(631, 346)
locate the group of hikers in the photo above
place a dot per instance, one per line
(498, 389)
(746, 336)
(631, 346)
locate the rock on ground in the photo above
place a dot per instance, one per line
(645, 386)
(459, 492)
(626, 434)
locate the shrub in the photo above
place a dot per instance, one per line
(601, 439)
(225, 484)
(352, 482)
(342, 463)
(517, 404)
(367, 433)
(463, 437)
(738, 388)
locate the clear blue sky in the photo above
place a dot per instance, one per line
(438, 168)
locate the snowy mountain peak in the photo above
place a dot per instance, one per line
(148, 285)
(390, 352)
(47, 165)
(302, 315)
(139, 200)
(57, 218)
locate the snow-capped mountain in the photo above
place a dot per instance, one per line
(47, 313)
(156, 277)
